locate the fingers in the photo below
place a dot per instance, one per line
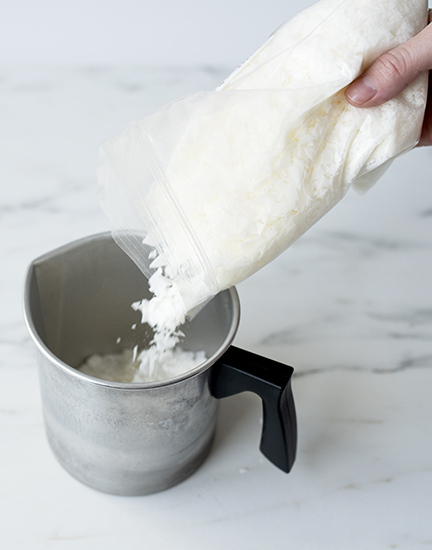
(392, 72)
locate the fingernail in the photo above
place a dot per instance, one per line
(362, 90)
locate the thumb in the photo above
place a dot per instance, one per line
(392, 72)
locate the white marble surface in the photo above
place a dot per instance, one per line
(349, 306)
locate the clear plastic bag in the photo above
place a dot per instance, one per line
(214, 186)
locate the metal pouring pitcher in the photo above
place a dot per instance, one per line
(138, 438)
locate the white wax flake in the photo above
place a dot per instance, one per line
(118, 340)
(134, 353)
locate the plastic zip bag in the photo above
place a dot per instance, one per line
(214, 186)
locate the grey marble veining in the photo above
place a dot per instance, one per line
(349, 306)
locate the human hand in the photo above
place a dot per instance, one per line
(392, 72)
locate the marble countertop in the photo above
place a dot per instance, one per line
(349, 306)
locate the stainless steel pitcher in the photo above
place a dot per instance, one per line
(128, 438)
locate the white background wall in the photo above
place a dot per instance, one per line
(150, 32)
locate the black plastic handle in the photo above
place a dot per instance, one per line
(238, 371)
